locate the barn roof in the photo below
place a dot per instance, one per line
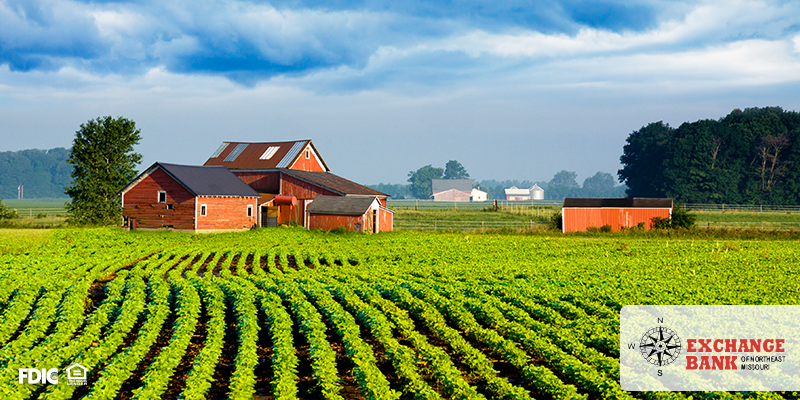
(265, 155)
(636, 202)
(333, 183)
(341, 205)
(201, 180)
(442, 185)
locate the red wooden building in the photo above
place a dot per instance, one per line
(356, 214)
(280, 171)
(581, 214)
(191, 198)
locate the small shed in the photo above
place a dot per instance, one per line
(581, 214)
(354, 213)
(191, 198)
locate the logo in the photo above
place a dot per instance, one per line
(76, 375)
(660, 346)
(34, 376)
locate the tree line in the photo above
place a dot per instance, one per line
(746, 157)
(42, 173)
(564, 184)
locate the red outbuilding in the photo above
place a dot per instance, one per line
(191, 198)
(581, 214)
(356, 214)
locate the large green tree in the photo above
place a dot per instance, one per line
(454, 170)
(103, 162)
(421, 180)
(747, 157)
(563, 185)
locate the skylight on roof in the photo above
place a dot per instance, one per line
(235, 153)
(220, 149)
(269, 153)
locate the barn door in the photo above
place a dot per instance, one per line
(269, 217)
(374, 221)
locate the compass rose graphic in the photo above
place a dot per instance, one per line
(660, 346)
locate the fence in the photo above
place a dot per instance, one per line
(413, 204)
(448, 225)
(742, 207)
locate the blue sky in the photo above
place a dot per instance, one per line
(512, 90)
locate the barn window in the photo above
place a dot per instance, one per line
(170, 207)
(249, 210)
(203, 210)
(162, 196)
(308, 154)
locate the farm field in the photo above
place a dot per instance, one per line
(287, 313)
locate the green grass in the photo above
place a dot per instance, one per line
(33, 207)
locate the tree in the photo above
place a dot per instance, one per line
(602, 184)
(6, 212)
(562, 185)
(643, 159)
(421, 180)
(454, 170)
(103, 162)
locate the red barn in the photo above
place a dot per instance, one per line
(581, 214)
(280, 171)
(192, 198)
(356, 214)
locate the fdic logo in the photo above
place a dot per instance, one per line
(659, 346)
(76, 375)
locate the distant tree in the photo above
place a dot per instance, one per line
(420, 179)
(601, 185)
(42, 173)
(562, 185)
(103, 162)
(397, 191)
(6, 212)
(454, 170)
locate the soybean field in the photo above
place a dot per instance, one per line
(285, 313)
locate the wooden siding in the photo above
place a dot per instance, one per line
(141, 203)
(452, 195)
(332, 221)
(226, 213)
(262, 181)
(385, 221)
(291, 186)
(581, 219)
(311, 164)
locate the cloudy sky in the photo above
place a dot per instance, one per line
(511, 89)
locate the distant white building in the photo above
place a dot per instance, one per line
(454, 190)
(537, 193)
(478, 195)
(532, 193)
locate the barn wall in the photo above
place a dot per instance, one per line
(292, 186)
(312, 164)
(141, 203)
(581, 219)
(225, 213)
(385, 221)
(452, 195)
(264, 181)
(333, 221)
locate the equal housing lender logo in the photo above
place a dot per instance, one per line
(709, 348)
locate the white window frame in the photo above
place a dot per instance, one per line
(203, 210)
(158, 198)
(249, 210)
(308, 154)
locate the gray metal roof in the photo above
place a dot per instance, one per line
(441, 185)
(636, 202)
(207, 180)
(340, 205)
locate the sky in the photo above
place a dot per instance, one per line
(511, 89)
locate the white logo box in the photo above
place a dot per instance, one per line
(736, 348)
